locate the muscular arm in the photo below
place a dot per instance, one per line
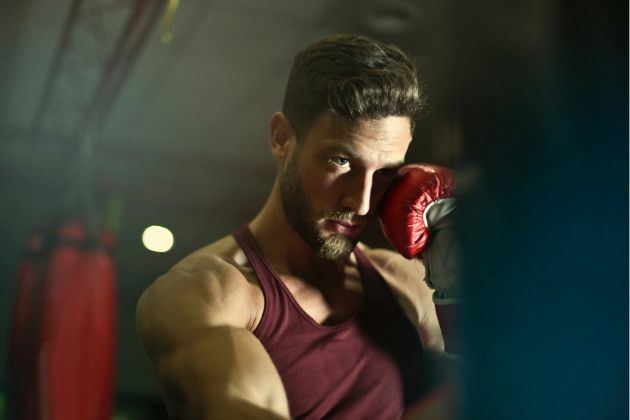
(405, 278)
(193, 323)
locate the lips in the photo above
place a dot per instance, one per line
(344, 227)
(346, 223)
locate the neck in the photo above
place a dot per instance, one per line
(282, 245)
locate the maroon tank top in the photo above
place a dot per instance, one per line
(367, 367)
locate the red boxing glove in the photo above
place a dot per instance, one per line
(406, 213)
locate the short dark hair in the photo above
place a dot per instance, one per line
(354, 77)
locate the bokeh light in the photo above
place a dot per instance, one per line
(157, 239)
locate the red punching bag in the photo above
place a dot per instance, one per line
(63, 337)
(21, 392)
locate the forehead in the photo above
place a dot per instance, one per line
(388, 137)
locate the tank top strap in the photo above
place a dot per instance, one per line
(275, 301)
(254, 254)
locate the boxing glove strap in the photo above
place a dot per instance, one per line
(442, 298)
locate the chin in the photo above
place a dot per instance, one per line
(336, 247)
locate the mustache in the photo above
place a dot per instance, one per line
(345, 216)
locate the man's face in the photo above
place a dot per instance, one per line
(333, 181)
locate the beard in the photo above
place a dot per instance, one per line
(300, 215)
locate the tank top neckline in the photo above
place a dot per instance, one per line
(255, 253)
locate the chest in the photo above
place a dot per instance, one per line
(332, 301)
(329, 370)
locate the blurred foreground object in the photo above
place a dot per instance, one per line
(544, 106)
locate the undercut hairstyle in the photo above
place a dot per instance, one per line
(354, 78)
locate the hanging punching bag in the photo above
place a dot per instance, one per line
(62, 346)
(21, 396)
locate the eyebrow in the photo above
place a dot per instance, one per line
(343, 149)
(348, 151)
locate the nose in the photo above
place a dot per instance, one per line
(360, 195)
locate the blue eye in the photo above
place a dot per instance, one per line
(341, 161)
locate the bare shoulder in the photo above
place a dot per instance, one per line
(390, 262)
(207, 288)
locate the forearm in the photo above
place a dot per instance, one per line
(234, 402)
(218, 408)
(226, 374)
(441, 401)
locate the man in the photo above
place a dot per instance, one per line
(291, 315)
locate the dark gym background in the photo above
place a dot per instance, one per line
(528, 101)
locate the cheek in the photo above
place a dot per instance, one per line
(320, 188)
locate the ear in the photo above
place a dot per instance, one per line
(282, 136)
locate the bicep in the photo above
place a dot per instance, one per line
(406, 278)
(225, 371)
(429, 326)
